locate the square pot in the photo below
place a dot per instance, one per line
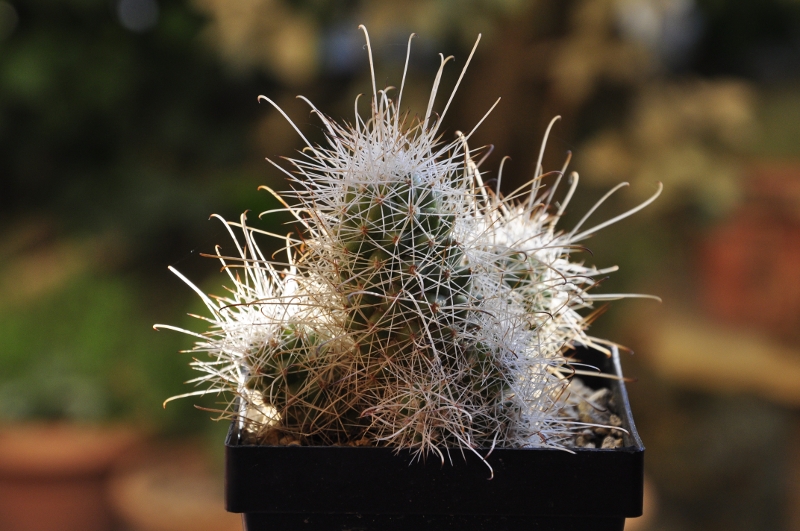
(366, 488)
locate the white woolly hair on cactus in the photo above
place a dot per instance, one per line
(418, 309)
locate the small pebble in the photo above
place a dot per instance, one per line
(584, 408)
(594, 407)
(272, 437)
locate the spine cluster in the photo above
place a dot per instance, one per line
(418, 308)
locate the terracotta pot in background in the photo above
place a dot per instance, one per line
(749, 262)
(171, 489)
(53, 476)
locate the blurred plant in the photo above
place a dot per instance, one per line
(668, 29)
(110, 135)
(690, 135)
(418, 308)
(72, 342)
(54, 390)
(264, 33)
(591, 52)
(296, 40)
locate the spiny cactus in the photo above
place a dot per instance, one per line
(418, 309)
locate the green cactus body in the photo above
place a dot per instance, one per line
(295, 378)
(418, 309)
(406, 291)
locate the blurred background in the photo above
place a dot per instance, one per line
(125, 123)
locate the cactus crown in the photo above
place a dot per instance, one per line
(418, 309)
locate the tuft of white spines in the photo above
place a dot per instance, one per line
(418, 309)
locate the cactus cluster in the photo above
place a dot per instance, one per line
(417, 309)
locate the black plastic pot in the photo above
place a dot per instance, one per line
(349, 488)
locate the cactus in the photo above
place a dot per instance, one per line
(418, 308)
